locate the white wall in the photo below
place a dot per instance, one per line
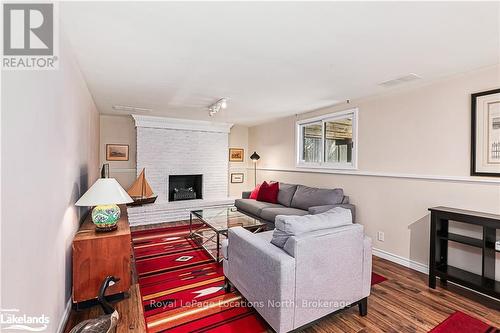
(238, 138)
(423, 130)
(50, 137)
(119, 130)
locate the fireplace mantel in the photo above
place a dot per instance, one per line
(181, 124)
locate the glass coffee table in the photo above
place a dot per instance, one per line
(214, 224)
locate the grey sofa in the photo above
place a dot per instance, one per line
(294, 200)
(315, 274)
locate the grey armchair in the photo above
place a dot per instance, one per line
(315, 274)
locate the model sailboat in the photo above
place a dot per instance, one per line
(141, 192)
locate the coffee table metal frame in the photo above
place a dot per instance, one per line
(202, 240)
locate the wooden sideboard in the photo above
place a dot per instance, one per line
(97, 255)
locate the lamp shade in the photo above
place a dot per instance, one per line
(105, 191)
(255, 156)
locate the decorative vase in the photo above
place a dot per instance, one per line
(105, 217)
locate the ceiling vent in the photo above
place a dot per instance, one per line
(399, 80)
(130, 108)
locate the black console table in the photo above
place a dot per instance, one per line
(438, 266)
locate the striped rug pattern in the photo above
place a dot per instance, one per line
(182, 287)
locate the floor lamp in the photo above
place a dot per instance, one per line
(255, 157)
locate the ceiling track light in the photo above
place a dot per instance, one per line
(400, 80)
(217, 106)
(130, 108)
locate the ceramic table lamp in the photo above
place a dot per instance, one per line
(105, 195)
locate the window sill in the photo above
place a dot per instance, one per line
(326, 166)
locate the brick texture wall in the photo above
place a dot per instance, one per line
(165, 152)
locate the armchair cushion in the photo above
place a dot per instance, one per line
(321, 209)
(287, 226)
(291, 244)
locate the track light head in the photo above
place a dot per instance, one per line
(217, 106)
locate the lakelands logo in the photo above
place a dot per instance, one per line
(11, 319)
(29, 36)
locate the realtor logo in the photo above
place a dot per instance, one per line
(29, 36)
(13, 320)
(28, 29)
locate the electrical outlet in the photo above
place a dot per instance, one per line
(380, 236)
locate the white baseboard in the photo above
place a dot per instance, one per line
(64, 319)
(419, 267)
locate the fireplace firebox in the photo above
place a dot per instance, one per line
(185, 187)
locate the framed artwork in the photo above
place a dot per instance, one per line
(237, 178)
(116, 152)
(236, 154)
(485, 130)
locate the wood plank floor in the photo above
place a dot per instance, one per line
(403, 303)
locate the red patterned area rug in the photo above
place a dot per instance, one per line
(376, 279)
(460, 322)
(182, 287)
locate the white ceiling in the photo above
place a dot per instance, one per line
(269, 59)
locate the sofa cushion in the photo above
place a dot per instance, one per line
(255, 193)
(286, 193)
(288, 225)
(306, 197)
(269, 214)
(253, 207)
(268, 192)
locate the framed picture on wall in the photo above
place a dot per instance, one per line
(237, 178)
(116, 152)
(485, 130)
(236, 154)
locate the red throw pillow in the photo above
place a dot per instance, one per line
(268, 192)
(255, 192)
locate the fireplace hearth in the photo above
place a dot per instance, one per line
(185, 187)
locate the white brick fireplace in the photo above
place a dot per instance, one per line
(168, 146)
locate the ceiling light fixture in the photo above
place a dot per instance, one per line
(217, 106)
(401, 79)
(130, 108)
